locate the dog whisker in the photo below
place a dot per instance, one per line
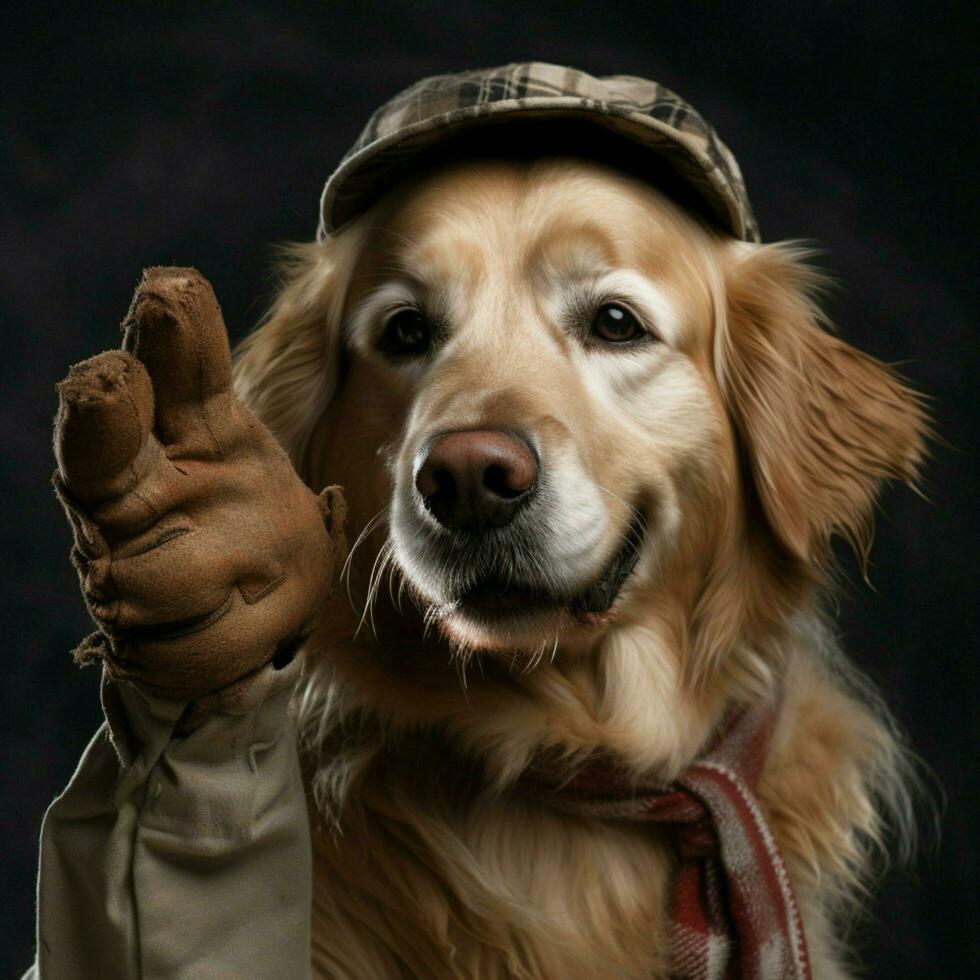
(374, 581)
(633, 521)
(372, 525)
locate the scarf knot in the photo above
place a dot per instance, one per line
(696, 840)
(733, 913)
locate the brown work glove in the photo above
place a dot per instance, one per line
(202, 555)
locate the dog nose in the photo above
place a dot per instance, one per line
(476, 479)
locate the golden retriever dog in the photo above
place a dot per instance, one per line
(595, 452)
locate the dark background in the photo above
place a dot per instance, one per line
(151, 135)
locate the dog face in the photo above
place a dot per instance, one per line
(547, 334)
(574, 403)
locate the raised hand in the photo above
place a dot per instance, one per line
(202, 555)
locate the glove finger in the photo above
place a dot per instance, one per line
(333, 509)
(174, 326)
(104, 422)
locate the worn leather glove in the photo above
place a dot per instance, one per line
(202, 556)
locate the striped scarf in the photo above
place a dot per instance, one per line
(733, 914)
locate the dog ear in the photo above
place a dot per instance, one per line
(287, 370)
(821, 423)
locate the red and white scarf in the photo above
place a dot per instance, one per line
(733, 913)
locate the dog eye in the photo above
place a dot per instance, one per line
(616, 325)
(406, 334)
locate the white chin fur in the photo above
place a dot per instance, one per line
(529, 633)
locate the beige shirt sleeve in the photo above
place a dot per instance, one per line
(180, 857)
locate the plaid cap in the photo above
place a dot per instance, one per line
(660, 136)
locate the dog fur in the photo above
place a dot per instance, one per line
(745, 433)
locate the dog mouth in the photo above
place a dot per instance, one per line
(494, 599)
